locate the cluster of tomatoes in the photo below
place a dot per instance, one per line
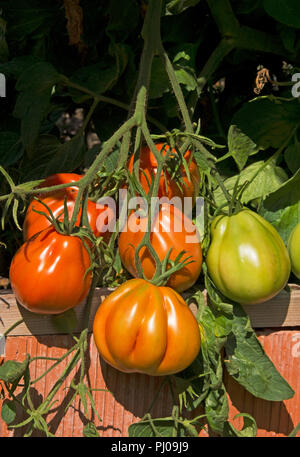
(141, 326)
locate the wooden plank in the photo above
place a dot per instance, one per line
(128, 396)
(38, 324)
(282, 311)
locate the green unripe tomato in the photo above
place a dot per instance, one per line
(294, 250)
(247, 259)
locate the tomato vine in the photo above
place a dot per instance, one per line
(224, 325)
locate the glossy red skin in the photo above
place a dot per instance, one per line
(62, 178)
(168, 187)
(47, 272)
(163, 237)
(35, 222)
(147, 329)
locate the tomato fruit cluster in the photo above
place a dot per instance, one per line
(145, 325)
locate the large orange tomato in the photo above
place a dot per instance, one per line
(147, 329)
(170, 229)
(35, 222)
(47, 273)
(169, 186)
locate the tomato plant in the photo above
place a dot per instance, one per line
(49, 273)
(175, 180)
(171, 230)
(247, 258)
(101, 97)
(158, 331)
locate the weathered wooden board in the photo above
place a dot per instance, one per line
(282, 311)
(128, 396)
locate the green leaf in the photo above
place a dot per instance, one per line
(285, 11)
(159, 83)
(247, 362)
(35, 87)
(90, 430)
(264, 179)
(240, 146)
(65, 322)
(292, 156)
(268, 123)
(67, 156)
(11, 149)
(288, 37)
(249, 428)
(178, 6)
(186, 76)
(45, 149)
(217, 409)
(123, 19)
(163, 427)
(8, 411)
(25, 18)
(16, 66)
(282, 207)
(103, 75)
(11, 371)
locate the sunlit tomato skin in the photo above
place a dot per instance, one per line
(170, 229)
(247, 259)
(47, 273)
(168, 186)
(62, 178)
(35, 222)
(294, 250)
(146, 329)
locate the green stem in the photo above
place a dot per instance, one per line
(20, 321)
(177, 90)
(55, 364)
(111, 101)
(224, 47)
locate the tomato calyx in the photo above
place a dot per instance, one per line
(165, 268)
(64, 227)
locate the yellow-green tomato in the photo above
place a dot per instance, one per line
(294, 250)
(247, 259)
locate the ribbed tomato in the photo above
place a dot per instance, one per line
(147, 329)
(47, 273)
(180, 185)
(170, 229)
(247, 259)
(35, 222)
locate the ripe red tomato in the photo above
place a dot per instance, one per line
(62, 178)
(47, 273)
(169, 185)
(147, 329)
(170, 229)
(35, 222)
